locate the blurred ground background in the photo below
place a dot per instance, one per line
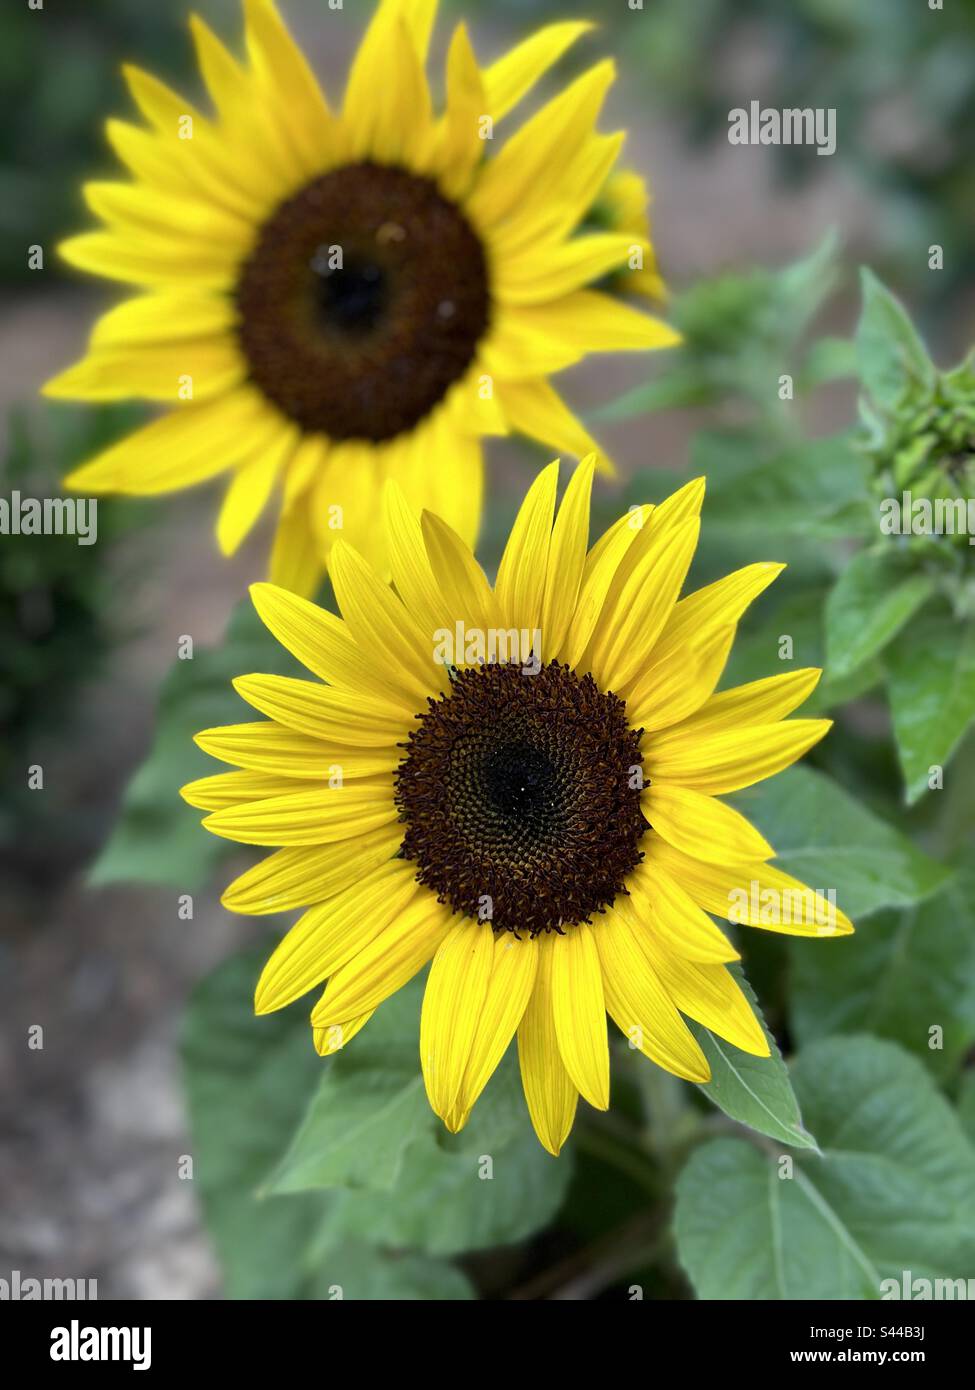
(93, 1124)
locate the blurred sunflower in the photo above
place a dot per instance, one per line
(623, 205)
(543, 826)
(337, 298)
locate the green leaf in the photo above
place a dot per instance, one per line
(355, 1270)
(894, 1189)
(931, 684)
(891, 356)
(901, 975)
(755, 1091)
(874, 597)
(675, 388)
(757, 652)
(814, 489)
(739, 332)
(830, 841)
(157, 837)
(829, 359)
(448, 1199)
(966, 1104)
(395, 1169)
(247, 1083)
(369, 1104)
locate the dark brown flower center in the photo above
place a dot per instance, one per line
(363, 302)
(521, 797)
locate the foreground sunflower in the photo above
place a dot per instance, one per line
(334, 298)
(541, 822)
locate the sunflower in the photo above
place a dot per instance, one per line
(623, 205)
(520, 784)
(333, 298)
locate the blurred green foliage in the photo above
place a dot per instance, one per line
(899, 77)
(59, 621)
(59, 73)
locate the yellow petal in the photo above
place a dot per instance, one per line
(755, 895)
(511, 77)
(387, 111)
(290, 85)
(512, 979)
(386, 962)
(657, 905)
(329, 935)
(460, 578)
(726, 762)
(670, 690)
(149, 260)
(566, 558)
(636, 611)
(529, 161)
(323, 643)
(221, 167)
(337, 1035)
(136, 210)
(758, 702)
(295, 561)
(249, 491)
(455, 492)
(588, 321)
(515, 349)
(580, 1013)
(275, 749)
(602, 565)
(156, 371)
(629, 526)
(419, 17)
(168, 164)
(520, 584)
(292, 878)
(324, 712)
(316, 817)
(640, 1005)
(380, 623)
(187, 446)
(549, 1090)
(452, 1002)
(647, 574)
(159, 104)
(412, 572)
(344, 497)
(534, 408)
(550, 272)
(720, 604)
(702, 826)
(229, 788)
(709, 995)
(460, 147)
(164, 317)
(553, 210)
